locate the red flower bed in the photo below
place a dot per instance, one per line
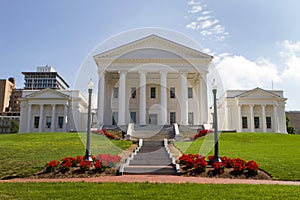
(99, 163)
(108, 159)
(105, 132)
(201, 133)
(197, 163)
(193, 161)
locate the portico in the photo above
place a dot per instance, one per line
(254, 110)
(52, 111)
(152, 81)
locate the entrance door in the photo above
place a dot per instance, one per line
(172, 117)
(153, 119)
(114, 118)
(133, 117)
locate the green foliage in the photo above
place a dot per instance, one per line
(275, 153)
(289, 129)
(83, 190)
(14, 127)
(24, 154)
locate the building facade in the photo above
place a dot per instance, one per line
(6, 89)
(51, 110)
(254, 110)
(44, 77)
(152, 81)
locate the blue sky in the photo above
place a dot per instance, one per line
(254, 42)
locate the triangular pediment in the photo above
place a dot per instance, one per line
(47, 94)
(152, 47)
(258, 93)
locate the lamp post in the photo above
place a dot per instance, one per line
(87, 156)
(215, 123)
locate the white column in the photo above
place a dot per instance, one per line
(163, 97)
(29, 118)
(122, 98)
(142, 114)
(41, 121)
(252, 127)
(184, 99)
(203, 99)
(53, 117)
(240, 126)
(101, 97)
(275, 119)
(264, 122)
(65, 125)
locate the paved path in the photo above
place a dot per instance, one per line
(159, 179)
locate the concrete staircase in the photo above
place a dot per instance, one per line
(151, 157)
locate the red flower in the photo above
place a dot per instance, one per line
(239, 165)
(252, 167)
(229, 162)
(219, 167)
(85, 165)
(52, 165)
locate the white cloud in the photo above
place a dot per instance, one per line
(192, 25)
(290, 53)
(207, 24)
(239, 72)
(203, 18)
(195, 9)
(193, 3)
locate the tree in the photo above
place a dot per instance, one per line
(289, 129)
(14, 127)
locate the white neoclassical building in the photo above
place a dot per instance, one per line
(152, 81)
(254, 110)
(51, 110)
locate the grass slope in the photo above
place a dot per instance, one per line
(278, 154)
(23, 154)
(144, 191)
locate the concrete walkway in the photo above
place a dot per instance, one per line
(158, 179)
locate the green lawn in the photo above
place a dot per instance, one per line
(83, 190)
(23, 154)
(278, 154)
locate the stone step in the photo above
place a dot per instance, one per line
(151, 170)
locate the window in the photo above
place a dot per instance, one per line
(191, 118)
(244, 122)
(172, 117)
(172, 92)
(152, 93)
(48, 121)
(190, 93)
(36, 122)
(116, 92)
(269, 122)
(60, 121)
(133, 92)
(114, 118)
(256, 122)
(133, 117)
